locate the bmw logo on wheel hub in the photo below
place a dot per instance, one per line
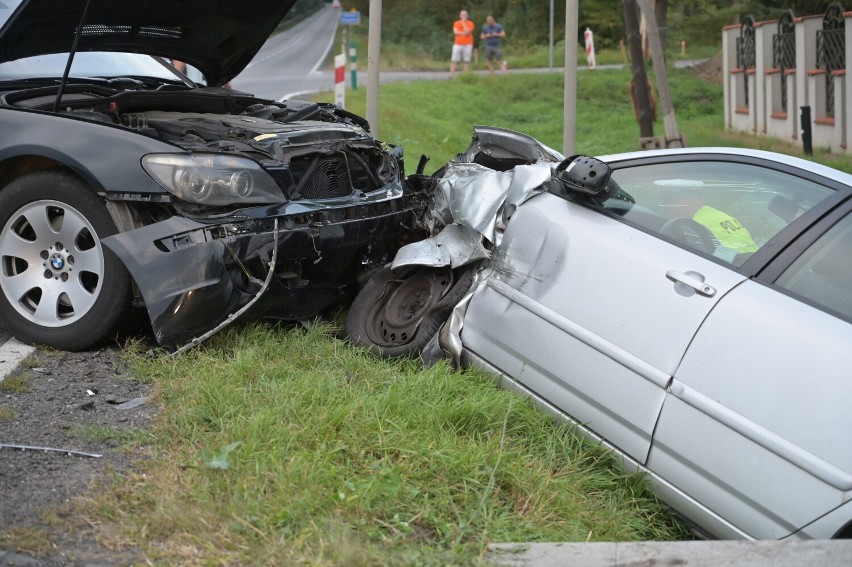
(57, 262)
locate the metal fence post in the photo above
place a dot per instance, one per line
(805, 121)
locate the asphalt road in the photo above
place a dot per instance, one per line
(288, 63)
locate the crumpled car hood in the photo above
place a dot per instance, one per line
(474, 201)
(219, 37)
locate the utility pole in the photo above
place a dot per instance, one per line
(550, 44)
(673, 138)
(569, 132)
(374, 44)
(640, 76)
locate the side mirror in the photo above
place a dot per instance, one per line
(584, 175)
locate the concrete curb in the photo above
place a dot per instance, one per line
(13, 559)
(12, 352)
(815, 553)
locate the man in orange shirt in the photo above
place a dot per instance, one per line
(463, 44)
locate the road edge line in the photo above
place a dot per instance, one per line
(12, 352)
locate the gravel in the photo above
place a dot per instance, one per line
(78, 402)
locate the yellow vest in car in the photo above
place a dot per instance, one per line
(728, 231)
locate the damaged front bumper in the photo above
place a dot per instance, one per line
(194, 274)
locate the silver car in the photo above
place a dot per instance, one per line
(689, 308)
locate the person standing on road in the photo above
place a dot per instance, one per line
(463, 42)
(493, 34)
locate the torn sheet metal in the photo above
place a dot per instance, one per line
(130, 404)
(483, 199)
(477, 195)
(455, 246)
(447, 341)
(472, 202)
(493, 144)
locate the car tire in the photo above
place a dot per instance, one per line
(397, 314)
(60, 286)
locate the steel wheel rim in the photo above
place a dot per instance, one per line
(51, 263)
(396, 316)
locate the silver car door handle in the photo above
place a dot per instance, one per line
(693, 280)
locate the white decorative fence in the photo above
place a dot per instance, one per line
(773, 69)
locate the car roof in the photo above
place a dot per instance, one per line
(219, 37)
(723, 152)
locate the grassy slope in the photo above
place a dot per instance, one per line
(290, 447)
(446, 112)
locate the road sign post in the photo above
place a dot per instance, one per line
(340, 80)
(353, 64)
(351, 18)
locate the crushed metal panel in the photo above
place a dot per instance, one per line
(473, 202)
(187, 290)
(455, 246)
(477, 197)
(504, 144)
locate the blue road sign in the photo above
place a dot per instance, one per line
(350, 18)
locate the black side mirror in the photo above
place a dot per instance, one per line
(584, 175)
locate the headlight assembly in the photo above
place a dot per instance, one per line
(213, 179)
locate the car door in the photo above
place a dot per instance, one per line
(765, 386)
(592, 308)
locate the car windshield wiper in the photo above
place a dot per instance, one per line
(143, 81)
(124, 82)
(42, 81)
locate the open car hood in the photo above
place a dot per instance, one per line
(219, 37)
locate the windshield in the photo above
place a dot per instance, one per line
(86, 64)
(6, 9)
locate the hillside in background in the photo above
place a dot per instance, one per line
(426, 27)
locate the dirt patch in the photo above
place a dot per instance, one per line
(74, 402)
(711, 69)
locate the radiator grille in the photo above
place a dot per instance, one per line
(330, 179)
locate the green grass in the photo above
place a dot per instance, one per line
(436, 118)
(18, 383)
(287, 446)
(35, 540)
(124, 438)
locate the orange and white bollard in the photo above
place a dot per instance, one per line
(340, 80)
(590, 48)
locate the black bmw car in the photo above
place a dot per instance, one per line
(124, 185)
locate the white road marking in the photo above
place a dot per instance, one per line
(12, 352)
(327, 50)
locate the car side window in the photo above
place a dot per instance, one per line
(722, 209)
(823, 273)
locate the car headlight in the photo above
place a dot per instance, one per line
(213, 179)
